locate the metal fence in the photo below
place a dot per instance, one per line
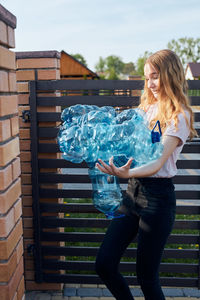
(68, 255)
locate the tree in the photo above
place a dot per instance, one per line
(80, 58)
(101, 65)
(140, 63)
(110, 68)
(129, 68)
(188, 49)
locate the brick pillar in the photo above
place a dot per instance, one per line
(41, 65)
(11, 243)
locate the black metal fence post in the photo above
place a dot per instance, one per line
(35, 183)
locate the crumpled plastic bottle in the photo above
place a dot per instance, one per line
(89, 132)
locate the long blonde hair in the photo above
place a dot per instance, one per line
(172, 94)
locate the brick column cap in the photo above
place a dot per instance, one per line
(38, 54)
(7, 17)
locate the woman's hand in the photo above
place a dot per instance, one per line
(111, 169)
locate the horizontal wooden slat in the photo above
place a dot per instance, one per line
(129, 252)
(197, 116)
(193, 84)
(186, 179)
(94, 279)
(72, 85)
(52, 132)
(60, 193)
(52, 222)
(96, 84)
(89, 208)
(62, 163)
(188, 194)
(188, 164)
(50, 264)
(98, 237)
(195, 100)
(84, 178)
(79, 192)
(190, 147)
(49, 117)
(63, 178)
(56, 117)
(99, 100)
(58, 163)
(49, 132)
(67, 101)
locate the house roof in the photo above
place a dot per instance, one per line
(69, 66)
(195, 69)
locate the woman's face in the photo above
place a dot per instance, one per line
(152, 78)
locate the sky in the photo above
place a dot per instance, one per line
(94, 28)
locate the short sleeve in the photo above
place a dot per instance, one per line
(182, 131)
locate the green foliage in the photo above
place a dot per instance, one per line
(141, 62)
(101, 65)
(188, 49)
(112, 67)
(129, 68)
(80, 58)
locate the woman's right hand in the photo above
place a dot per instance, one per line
(111, 169)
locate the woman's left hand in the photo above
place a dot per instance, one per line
(111, 169)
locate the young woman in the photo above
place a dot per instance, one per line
(150, 203)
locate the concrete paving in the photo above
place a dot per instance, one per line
(94, 292)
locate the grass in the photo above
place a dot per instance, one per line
(132, 245)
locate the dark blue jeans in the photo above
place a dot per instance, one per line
(149, 205)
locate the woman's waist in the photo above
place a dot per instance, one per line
(154, 180)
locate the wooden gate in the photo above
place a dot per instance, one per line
(68, 234)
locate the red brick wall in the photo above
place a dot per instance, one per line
(11, 242)
(41, 65)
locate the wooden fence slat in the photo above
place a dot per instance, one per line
(98, 237)
(75, 85)
(53, 264)
(94, 279)
(100, 100)
(51, 222)
(84, 178)
(56, 116)
(67, 101)
(129, 252)
(190, 147)
(89, 208)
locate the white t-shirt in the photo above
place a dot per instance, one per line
(169, 169)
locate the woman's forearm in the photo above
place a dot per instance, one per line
(146, 170)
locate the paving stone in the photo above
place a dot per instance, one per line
(184, 298)
(43, 296)
(89, 292)
(106, 298)
(74, 298)
(101, 286)
(172, 292)
(106, 293)
(30, 295)
(58, 297)
(191, 292)
(89, 285)
(69, 292)
(136, 292)
(74, 285)
(89, 298)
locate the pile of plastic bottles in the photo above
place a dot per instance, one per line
(90, 132)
